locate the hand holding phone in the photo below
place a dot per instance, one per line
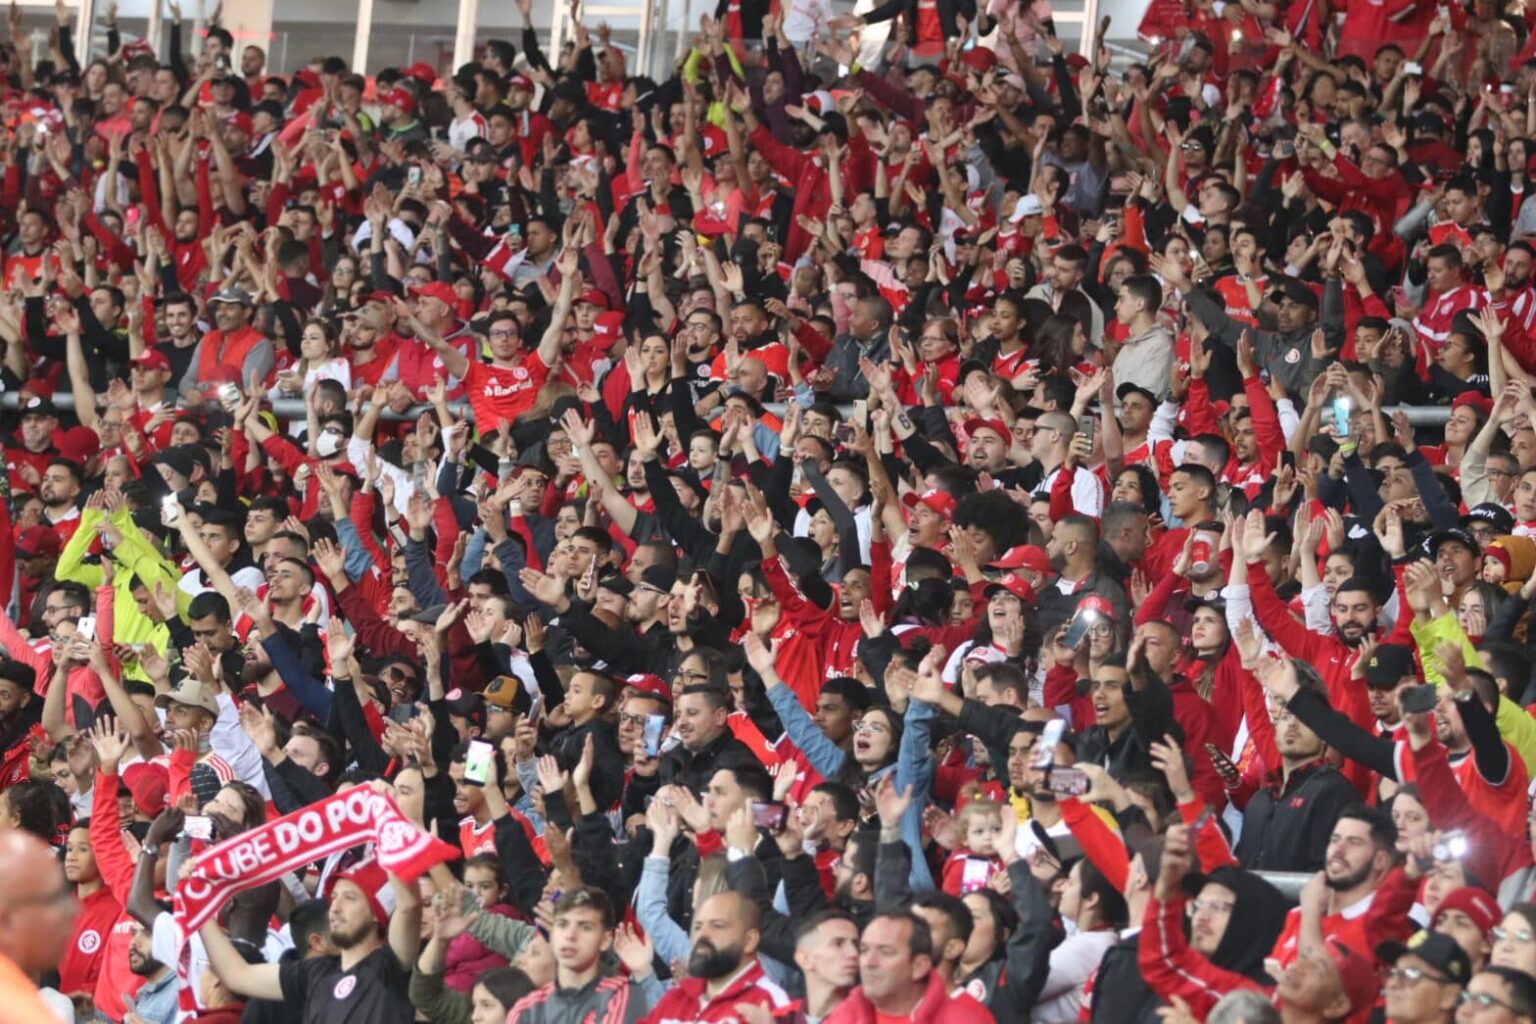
(655, 732)
(477, 763)
(1067, 781)
(771, 816)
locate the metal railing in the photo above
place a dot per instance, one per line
(293, 409)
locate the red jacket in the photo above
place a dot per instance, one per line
(81, 965)
(1329, 655)
(1170, 968)
(115, 980)
(936, 1007)
(688, 1001)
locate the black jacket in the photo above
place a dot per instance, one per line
(1129, 753)
(1261, 909)
(607, 762)
(757, 878)
(1014, 979)
(1120, 996)
(1287, 829)
(1054, 607)
(680, 766)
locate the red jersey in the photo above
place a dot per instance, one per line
(1503, 802)
(498, 393)
(1347, 927)
(17, 457)
(689, 1001)
(1433, 323)
(1236, 296)
(81, 965)
(372, 372)
(477, 839)
(607, 95)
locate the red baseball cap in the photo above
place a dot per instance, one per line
(439, 290)
(400, 99)
(649, 685)
(998, 427)
(37, 542)
(423, 72)
(151, 359)
(522, 82)
(79, 443)
(595, 296)
(937, 501)
(1357, 976)
(608, 325)
(150, 786)
(1482, 403)
(1024, 556)
(1015, 585)
(1095, 603)
(369, 877)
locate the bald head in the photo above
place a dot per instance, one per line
(738, 906)
(37, 906)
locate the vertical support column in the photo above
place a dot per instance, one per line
(360, 40)
(1090, 27)
(557, 15)
(644, 58)
(464, 36)
(85, 19)
(156, 28)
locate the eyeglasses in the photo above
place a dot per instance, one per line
(690, 678)
(1413, 975)
(1210, 907)
(635, 720)
(1500, 933)
(1484, 1001)
(501, 332)
(866, 725)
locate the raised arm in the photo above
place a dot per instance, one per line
(549, 345)
(257, 981)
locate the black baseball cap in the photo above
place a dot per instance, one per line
(1388, 665)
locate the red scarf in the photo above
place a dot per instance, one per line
(309, 834)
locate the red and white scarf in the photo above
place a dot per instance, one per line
(263, 855)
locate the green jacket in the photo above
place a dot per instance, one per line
(1516, 726)
(135, 557)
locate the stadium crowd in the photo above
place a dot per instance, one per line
(895, 522)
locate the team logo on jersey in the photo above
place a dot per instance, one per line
(976, 989)
(344, 987)
(1293, 356)
(90, 942)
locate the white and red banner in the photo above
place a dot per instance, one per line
(359, 815)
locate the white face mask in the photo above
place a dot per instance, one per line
(329, 443)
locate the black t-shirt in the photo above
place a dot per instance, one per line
(372, 992)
